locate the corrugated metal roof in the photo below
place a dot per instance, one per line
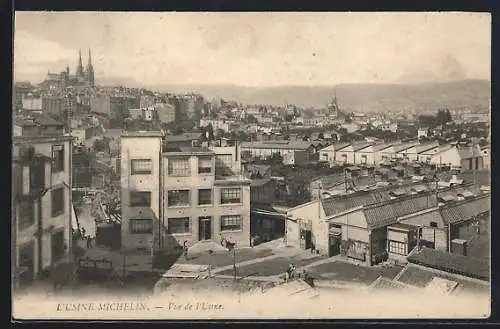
(465, 210)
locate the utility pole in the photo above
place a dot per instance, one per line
(234, 263)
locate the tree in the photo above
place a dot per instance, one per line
(276, 158)
(443, 116)
(251, 119)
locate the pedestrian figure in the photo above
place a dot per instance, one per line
(185, 250)
(287, 275)
(83, 232)
(89, 242)
(290, 271)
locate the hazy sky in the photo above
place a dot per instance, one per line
(256, 49)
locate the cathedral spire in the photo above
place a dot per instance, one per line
(89, 64)
(79, 68)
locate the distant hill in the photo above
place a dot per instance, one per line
(355, 97)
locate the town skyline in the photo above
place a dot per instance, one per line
(264, 51)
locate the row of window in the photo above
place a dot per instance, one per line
(27, 209)
(183, 197)
(182, 225)
(181, 166)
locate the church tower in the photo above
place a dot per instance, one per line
(89, 73)
(79, 68)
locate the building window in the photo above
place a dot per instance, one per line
(57, 203)
(57, 244)
(397, 247)
(179, 225)
(178, 167)
(178, 198)
(204, 196)
(141, 225)
(230, 223)
(141, 166)
(204, 165)
(230, 195)
(140, 199)
(26, 214)
(57, 158)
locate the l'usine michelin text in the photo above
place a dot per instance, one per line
(102, 307)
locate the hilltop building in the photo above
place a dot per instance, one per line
(81, 78)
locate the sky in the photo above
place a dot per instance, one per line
(256, 49)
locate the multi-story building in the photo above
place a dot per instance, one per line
(20, 90)
(32, 102)
(166, 112)
(140, 189)
(184, 194)
(41, 203)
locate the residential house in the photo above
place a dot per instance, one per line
(265, 149)
(328, 153)
(347, 154)
(463, 158)
(35, 124)
(425, 154)
(41, 201)
(395, 151)
(412, 153)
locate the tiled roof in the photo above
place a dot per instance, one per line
(338, 204)
(451, 263)
(426, 147)
(35, 120)
(360, 146)
(290, 145)
(465, 210)
(388, 212)
(404, 146)
(380, 147)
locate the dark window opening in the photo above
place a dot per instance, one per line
(57, 203)
(140, 199)
(179, 225)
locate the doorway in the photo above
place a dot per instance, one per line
(205, 228)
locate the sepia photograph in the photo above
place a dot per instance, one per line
(257, 165)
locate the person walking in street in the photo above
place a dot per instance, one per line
(89, 242)
(185, 250)
(83, 232)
